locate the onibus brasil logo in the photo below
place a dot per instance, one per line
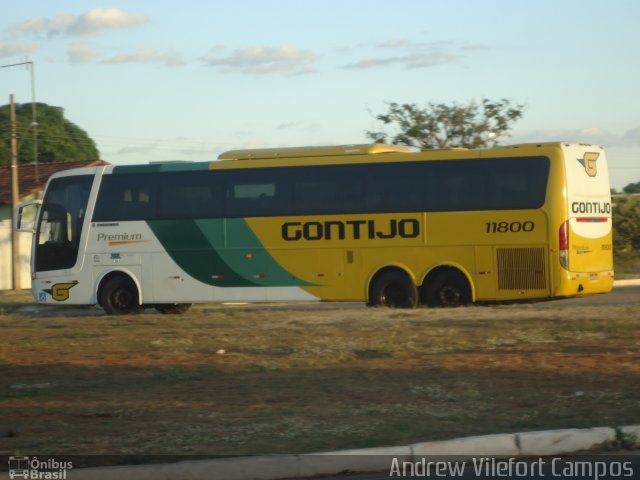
(35, 469)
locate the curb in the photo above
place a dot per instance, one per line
(276, 467)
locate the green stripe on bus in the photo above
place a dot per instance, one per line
(222, 253)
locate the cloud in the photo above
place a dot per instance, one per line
(168, 149)
(138, 150)
(148, 55)
(90, 23)
(49, 27)
(105, 19)
(396, 44)
(407, 61)
(82, 54)
(263, 60)
(593, 135)
(587, 135)
(412, 55)
(632, 137)
(298, 125)
(12, 49)
(287, 126)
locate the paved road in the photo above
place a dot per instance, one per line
(626, 295)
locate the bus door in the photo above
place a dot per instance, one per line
(60, 223)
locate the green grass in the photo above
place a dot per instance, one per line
(626, 265)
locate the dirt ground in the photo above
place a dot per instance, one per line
(237, 381)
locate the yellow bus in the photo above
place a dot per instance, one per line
(382, 224)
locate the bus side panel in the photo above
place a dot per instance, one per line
(484, 273)
(333, 255)
(190, 261)
(126, 247)
(510, 250)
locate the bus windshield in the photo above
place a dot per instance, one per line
(60, 223)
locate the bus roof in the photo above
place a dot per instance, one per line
(362, 149)
(328, 151)
(330, 155)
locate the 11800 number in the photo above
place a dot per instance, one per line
(513, 227)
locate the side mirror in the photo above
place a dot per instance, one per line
(24, 218)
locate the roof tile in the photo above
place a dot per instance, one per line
(27, 182)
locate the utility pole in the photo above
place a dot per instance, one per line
(15, 246)
(34, 118)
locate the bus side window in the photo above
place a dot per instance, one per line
(506, 190)
(126, 197)
(250, 199)
(184, 202)
(396, 188)
(329, 190)
(312, 196)
(132, 203)
(188, 195)
(517, 185)
(259, 193)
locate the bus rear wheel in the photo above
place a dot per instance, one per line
(119, 296)
(448, 288)
(394, 290)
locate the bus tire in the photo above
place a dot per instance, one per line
(393, 289)
(449, 288)
(119, 296)
(172, 308)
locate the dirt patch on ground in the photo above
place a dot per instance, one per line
(246, 381)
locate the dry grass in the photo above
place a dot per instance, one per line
(231, 381)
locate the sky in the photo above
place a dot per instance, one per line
(153, 80)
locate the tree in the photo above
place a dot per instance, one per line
(442, 126)
(59, 140)
(632, 188)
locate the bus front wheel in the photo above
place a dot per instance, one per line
(448, 288)
(394, 290)
(119, 296)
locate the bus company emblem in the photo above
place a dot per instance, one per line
(60, 291)
(588, 161)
